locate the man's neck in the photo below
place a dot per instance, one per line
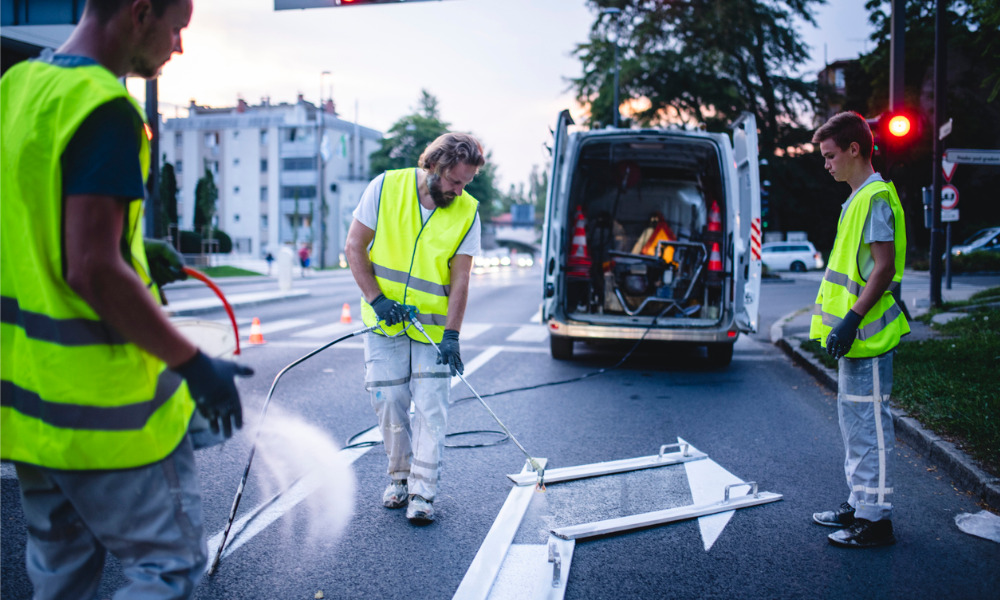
(858, 179)
(423, 192)
(99, 42)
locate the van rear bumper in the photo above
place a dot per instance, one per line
(662, 333)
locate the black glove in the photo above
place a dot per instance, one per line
(838, 343)
(449, 352)
(390, 311)
(165, 264)
(210, 381)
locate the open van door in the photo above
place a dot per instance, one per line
(747, 231)
(555, 220)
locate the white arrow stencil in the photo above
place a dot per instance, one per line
(708, 481)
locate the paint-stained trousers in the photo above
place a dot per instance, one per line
(148, 517)
(398, 370)
(864, 387)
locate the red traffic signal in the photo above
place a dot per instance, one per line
(895, 131)
(899, 126)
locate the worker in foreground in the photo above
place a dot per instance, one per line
(412, 241)
(858, 319)
(98, 388)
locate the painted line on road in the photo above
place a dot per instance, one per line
(529, 333)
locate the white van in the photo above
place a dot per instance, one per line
(655, 233)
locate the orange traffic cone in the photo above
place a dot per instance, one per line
(715, 259)
(256, 337)
(714, 217)
(345, 313)
(579, 261)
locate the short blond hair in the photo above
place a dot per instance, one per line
(449, 150)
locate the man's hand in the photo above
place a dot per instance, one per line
(839, 342)
(390, 311)
(165, 264)
(210, 381)
(450, 354)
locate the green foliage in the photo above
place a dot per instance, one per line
(206, 194)
(228, 271)
(190, 242)
(168, 193)
(701, 62)
(974, 262)
(225, 242)
(950, 383)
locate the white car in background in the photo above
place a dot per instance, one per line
(984, 239)
(798, 256)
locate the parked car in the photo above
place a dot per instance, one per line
(650, 234)
(791, 256)
(984, 239)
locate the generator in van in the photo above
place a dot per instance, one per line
(652, 234)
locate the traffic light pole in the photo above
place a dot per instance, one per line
(938, 148)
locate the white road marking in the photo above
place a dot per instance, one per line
(529, 333)
(708, 481)
(275, 326)
(481, 359)
(332, 330)
(471, 330)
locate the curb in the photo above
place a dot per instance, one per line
(953, 460)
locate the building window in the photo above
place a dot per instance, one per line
(263, 193)
(236, 217)
(839, 80)
(298, 191)
(263, 137)
(236, 162)
(214, 166)
(178, 166)
(212, 139)
(263, 165)
(236, 189)
(307, 163)
(263, 221)
(178, 138)
(236, 133)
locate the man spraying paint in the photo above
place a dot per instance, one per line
(412, 242)
(859, 321)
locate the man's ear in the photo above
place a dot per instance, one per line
(854, 149)
(141, 11)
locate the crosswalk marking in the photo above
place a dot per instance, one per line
(471, 330)
(329, 331)
(529, 333)
(275, 326)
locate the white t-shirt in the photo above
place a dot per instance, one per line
(879, 226)
(367, 214)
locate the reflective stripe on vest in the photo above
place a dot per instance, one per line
(75, 394)
(883, 326)
(411, 260)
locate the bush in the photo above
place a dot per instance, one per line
(965, 263)
(225, 242)
(190, 242)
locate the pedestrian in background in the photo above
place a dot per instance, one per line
(859, 320)
(412, 241)
(304, 258)
(270, 260)
(98, 387)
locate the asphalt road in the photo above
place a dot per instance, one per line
(761, 419)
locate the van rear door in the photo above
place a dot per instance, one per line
(747, 233)
(555, 219)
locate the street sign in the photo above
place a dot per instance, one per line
(965, 156)
(945, 130)
(949, 216)
(949, 197)
(949, 168)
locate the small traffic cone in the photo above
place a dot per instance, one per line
(579, 261)
(715, 259)
(345, 313)
(256, 337)
(715, 217)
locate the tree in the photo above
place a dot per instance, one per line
(168, 195)
(410, 135)
(701, 62)
(206, 194)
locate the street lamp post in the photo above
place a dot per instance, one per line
(320, 250)
(615, 12)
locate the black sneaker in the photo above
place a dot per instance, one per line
(864, 534)
(842, 517)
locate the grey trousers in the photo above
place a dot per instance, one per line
(148, 517)
(864, 386)
(398, 370)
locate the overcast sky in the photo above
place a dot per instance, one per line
(499, 68)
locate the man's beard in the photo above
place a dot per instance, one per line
(441, 200)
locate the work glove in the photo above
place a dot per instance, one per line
(449, 353)
(210, 381)
(838, 343)
(390, 311)
(165, 264)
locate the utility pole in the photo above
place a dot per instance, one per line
(153, 181)
(939, 110)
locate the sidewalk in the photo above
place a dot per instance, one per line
(790, 331)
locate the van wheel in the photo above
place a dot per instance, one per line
(561, 347)
(798, 267)
(720, 355)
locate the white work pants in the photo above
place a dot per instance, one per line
(149, 517)
(864, 386)
(398, 370)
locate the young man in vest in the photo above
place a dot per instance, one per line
(412, 242)
(98, 387)
(858, 319)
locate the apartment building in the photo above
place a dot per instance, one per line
(287, 174)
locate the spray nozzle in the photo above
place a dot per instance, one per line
(538, 465)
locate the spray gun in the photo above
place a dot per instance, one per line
(537, 464)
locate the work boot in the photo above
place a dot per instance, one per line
(420, 511)
(864, 534)
(394, 495)
(842, 517)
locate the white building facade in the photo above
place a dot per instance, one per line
(287, 174)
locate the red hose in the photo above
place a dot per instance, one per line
(229, 309)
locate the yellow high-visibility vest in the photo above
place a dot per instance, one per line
(412, 259)
(75, 394)
(883, 326)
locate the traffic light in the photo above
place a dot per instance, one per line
(765, 193)
(895, 133)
